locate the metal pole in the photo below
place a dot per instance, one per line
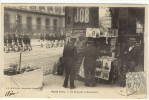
(20, 62)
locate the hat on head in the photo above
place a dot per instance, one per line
(73, 39)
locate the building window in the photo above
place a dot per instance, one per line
(29, 24)
(18, 19)
(47, 24)
(55, 24)
(38, 24)
(63, 11)
(6, 22)
(18, 23)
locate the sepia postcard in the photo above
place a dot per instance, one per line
(74, 51)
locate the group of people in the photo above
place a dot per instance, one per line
(70, 63)
(15, 42)
(52, 40)
(130, 58)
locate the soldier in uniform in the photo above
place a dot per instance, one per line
(20, 42)
(91, 54)
(41, 39)
(70, 59)
(5, 40)
(9, 39)
(28, 40)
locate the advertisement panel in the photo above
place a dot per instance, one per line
(81, 17)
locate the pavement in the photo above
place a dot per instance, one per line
(39, 56)
(53, 88)
(53, 83)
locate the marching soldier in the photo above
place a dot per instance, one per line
(28, 40)
(70, 59)
(9, 40)
(41, 40)
(20, 42)
(5, 40)
(6, 48)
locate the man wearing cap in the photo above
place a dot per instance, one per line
(70, 59)
(91, 54)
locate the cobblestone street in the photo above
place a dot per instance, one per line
(39, 57)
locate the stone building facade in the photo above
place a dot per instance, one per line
(34, 20)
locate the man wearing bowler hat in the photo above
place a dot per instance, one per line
(130, 54)
(91, 54)
(129, 60)
(70, 59)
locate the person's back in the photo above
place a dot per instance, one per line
(5, 39)
(41, 37)
(25, 39)
(9, 39)
(20, 39)
(46, 37)
(28, 39)
(14, 38)
(69, 50)
(70, 58)
(91, 52)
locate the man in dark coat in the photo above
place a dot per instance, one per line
(130, 56)
(9, 39)
(41, 37)
(28, 40)
(128, 61)
(47, 37)
(5, 40)
(20, 40)
(70, 59)
(14, 37)
(91, 54)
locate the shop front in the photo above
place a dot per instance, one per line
(83, 22)
(85, 25)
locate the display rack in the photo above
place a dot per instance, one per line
(104, 62)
